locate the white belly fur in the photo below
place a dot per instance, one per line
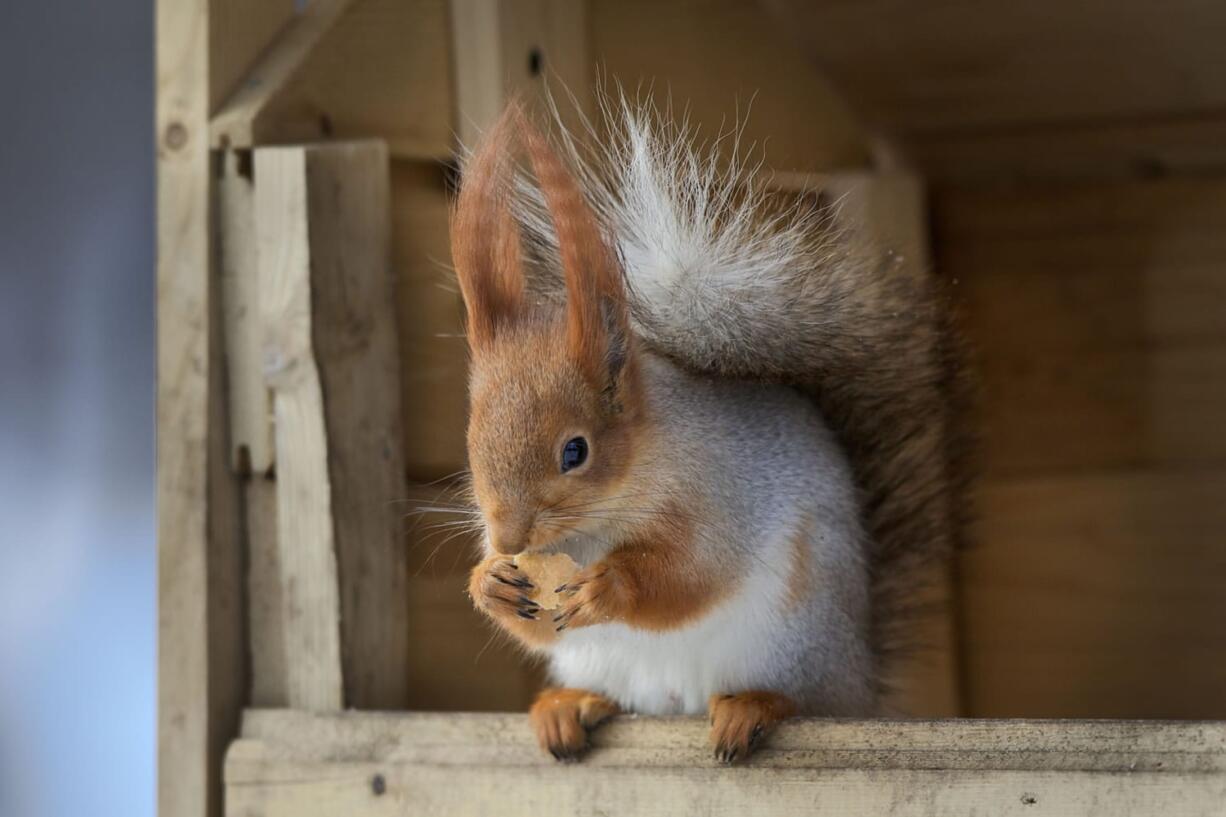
(729, 649)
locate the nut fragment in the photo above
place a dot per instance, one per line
(547, 571)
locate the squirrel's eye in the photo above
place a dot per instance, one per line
(573, 453)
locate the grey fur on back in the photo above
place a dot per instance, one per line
(723, 281)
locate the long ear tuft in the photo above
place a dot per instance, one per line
(597, 317)
(485, 241)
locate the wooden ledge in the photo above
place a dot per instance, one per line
(358, 763)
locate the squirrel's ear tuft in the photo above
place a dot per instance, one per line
(485, 240)
(597, 316)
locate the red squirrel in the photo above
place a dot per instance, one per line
(736, 422)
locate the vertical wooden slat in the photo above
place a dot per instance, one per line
(500, 49)
(306, 535)
(328, 317)
(250, 412)
(200, 640)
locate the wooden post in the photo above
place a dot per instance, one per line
(328, 315)
(503, 47)
(203, 46)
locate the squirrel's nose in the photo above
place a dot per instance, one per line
(508, 536)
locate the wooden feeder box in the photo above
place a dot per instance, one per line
(1060, 163)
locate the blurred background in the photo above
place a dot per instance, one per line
(1073, 180)
(77, 590)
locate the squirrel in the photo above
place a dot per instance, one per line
(741, 424)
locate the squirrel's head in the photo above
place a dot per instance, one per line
(556, 409)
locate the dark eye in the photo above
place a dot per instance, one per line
(573, 453)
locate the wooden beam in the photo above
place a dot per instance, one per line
(525, 47)
(201, 666)
(239, 30)
(327, 296)
(349, 69)
(240, 120)
(461, 764)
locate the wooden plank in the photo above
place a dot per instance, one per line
(1166, 210)
(305, 524)
(350, 69)
(354, 292)
(1099, 595)
(1127, 148)
(517, 47)
(289, 763)
(239, 30)
(1097, 310)
(328, 296)
(269, 683)
(1129, 407)
(201, 666)
(250, 412)
(949, 66)
(722, 62)
(250, 418)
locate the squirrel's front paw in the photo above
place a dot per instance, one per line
(596, 595)
(500, 589)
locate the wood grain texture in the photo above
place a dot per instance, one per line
(306, 528)
(328, 300)
(1099, 595)
(350, 69)
(201, 666)
(1097, 311)
(288, 763)
(354, 336)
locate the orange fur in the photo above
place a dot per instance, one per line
(800, 576)
(655, 581)
(594, 290)
(485, 240)
(563, 717)
(740, 722)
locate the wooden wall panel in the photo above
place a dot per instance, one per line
(718, 59)
(1099, 315)
(1099, 595)
(433, 352)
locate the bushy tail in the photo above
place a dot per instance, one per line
(722, 279)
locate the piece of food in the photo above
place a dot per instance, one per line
(547, 572)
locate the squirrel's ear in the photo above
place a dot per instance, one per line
(597, 316)
(485, 241)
